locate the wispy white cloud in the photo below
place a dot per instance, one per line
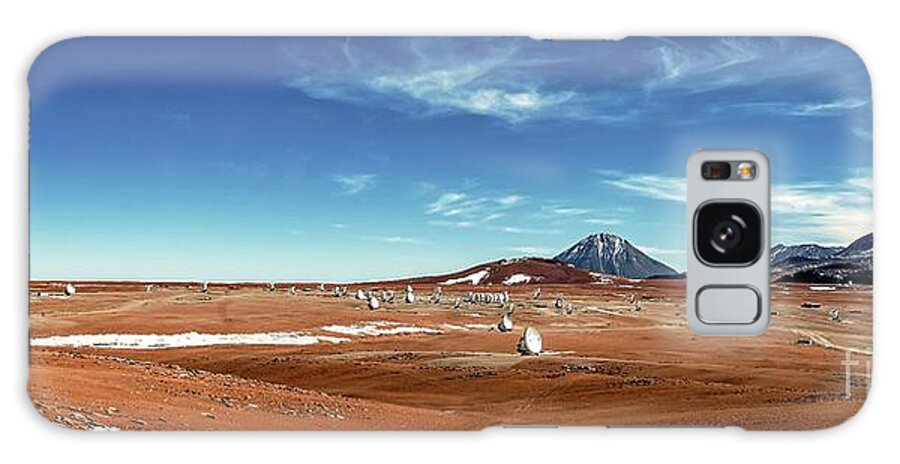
(429, 77)
(463, 210)
(453, 204)
(519, 81)
(510, 200)
(352, 184)
(533, 250)
(832, 213)
(862, 133)
(456, 224)
(478, 208)
(525, 230)
(394, 239)
(605, 221)
(563, 211)
(803, 109)
(460, 88)
(668, 188)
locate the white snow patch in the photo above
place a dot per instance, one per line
(517, 279)
(376, 328)
(468, 327)
(182, 340)
(822, 288)
(474, 278)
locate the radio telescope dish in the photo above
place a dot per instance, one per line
(373, 303)
(69, 290)
(531, 342)
(360, 294)
(506, 323)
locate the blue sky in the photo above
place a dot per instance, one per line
(365, 158)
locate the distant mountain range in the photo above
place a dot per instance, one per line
(605, 254)
(810, 263)
(807, 252)
(610, 254)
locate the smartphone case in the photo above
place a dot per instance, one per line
(346, 233)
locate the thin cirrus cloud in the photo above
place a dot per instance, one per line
(862, 133)
(604, 221)
(429, 77)
(461, 210)
(351, 184)
(561, 211)
(456, 89)
(657, 187)
(510, 200)
(832, 213)
(453, 204)
(810, 109)
(827, 212)
(394, 239)
(460, 205)
(533, 250)
(519, 80)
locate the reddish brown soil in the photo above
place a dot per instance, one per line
(605, 364)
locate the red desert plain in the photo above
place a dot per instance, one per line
(616, 352)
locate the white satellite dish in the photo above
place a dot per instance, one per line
(69, 290)
(373, 303)
(410, 297)
(531, 342)
(506, 323)
(360, 294)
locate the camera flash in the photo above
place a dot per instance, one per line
(746, 170)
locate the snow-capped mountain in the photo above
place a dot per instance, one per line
(818, 264)
(806, 252)
(860, 246)
(611, 254)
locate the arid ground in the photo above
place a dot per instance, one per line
(430, 366)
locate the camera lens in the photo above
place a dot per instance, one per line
(728, 233)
